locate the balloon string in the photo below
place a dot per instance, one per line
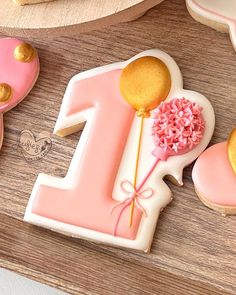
(136, 169)
(135, 196)
(148, 175)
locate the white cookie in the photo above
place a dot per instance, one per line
(218, 14)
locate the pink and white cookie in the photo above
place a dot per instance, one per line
(218, 14)
(214, 176)
(19, 69)
(95, 199)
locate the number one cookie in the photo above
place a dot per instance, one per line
(97, 197)
(19, 69)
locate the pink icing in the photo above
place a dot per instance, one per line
(213, 176)
(178, 126)
(134, 195)
(88, 203)
(19, 75)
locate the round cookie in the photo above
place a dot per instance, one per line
(19, 69)
(214, 176)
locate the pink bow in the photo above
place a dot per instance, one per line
(135, 195)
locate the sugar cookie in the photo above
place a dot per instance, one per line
(19, 69)
(214, 176)
(218, 14)
(98, 196)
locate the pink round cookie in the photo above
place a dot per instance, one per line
(215, 180)
(19, 69)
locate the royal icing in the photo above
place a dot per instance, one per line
(178, 127)
(19, 68)
(214, 178)
(218, 14)
(89, 201)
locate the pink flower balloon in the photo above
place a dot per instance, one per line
(177, 128)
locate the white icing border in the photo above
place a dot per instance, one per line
(230, 25)
(173, 166)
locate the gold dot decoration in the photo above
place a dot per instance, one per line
(144, 83)
(232, 149)
(24, 52)
(5, 92)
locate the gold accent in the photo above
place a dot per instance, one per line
(136, 168)
(24, 52)
(5, 92)
(142, 113)
(144, 83)
(232, 149)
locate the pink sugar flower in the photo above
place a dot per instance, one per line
(177, 128)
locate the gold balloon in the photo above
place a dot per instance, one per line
(144, 83)
(232, 149)
(24, 52)
(5, 92)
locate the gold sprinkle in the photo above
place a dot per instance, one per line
(24, 53)
(5, 92)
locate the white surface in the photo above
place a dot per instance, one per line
(13, 284)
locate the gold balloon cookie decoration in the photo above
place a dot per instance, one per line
(232, 149)
(144, 84)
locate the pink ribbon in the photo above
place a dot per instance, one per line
(134, 195)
